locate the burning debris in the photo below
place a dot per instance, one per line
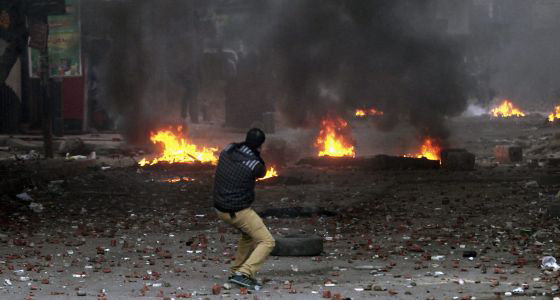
(177, 179)
(270, 173)
(333, 139)
(506, 110)
(430, 149)
(177, 149)
(361, 113)
(554, 115)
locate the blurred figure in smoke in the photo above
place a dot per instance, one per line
(239, 166)
(189, 101)
(185, 81)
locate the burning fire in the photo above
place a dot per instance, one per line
(331, 141)
(554, 115)
(430, 150)
(360, 113)
(369, 112)
(177, 179)
(271, 172)
(176, 149)
(506, 109)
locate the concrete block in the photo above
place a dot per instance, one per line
(508, 154)
(457, 159)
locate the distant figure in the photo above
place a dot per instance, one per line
(239, 166)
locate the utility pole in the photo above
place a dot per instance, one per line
(39, 11)
(39, 33)
(45, 95)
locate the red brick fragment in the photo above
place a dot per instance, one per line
(216, 289)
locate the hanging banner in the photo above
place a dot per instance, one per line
(64, 42)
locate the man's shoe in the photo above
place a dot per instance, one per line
(245, 281)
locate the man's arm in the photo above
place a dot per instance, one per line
(260, 170)
(258, 167)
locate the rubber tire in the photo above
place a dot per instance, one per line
(298, 246)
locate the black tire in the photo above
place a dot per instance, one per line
(298, 246)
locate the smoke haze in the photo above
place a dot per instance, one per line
(418, 61)
(336, 56)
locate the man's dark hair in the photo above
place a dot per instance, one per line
(255, 138)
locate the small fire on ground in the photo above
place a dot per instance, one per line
(334, 139)
(270, 173)
(429, 150)
(177, 179)
(554, 115)
(360, 113)
(177, 149)
(506, 110)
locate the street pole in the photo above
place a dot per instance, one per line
(45, 97)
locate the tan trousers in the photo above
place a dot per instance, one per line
(255, 244)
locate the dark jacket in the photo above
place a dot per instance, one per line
(234, 181)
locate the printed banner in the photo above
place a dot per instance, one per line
(65, 49)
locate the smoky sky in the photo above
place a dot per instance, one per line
(523, 52)
(333, 56)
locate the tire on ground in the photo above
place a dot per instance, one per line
(298, 246)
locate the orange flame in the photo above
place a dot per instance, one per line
(360, 113)
(430, 150)
(369, 112)
(331, 141)
(554, 115)
(177, 179)
(177, 149)
(505, 110)
(271, 172)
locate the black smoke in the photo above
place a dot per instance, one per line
(332, 56)
(146, 69)
(126, 71)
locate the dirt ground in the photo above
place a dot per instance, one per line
(109, 229)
